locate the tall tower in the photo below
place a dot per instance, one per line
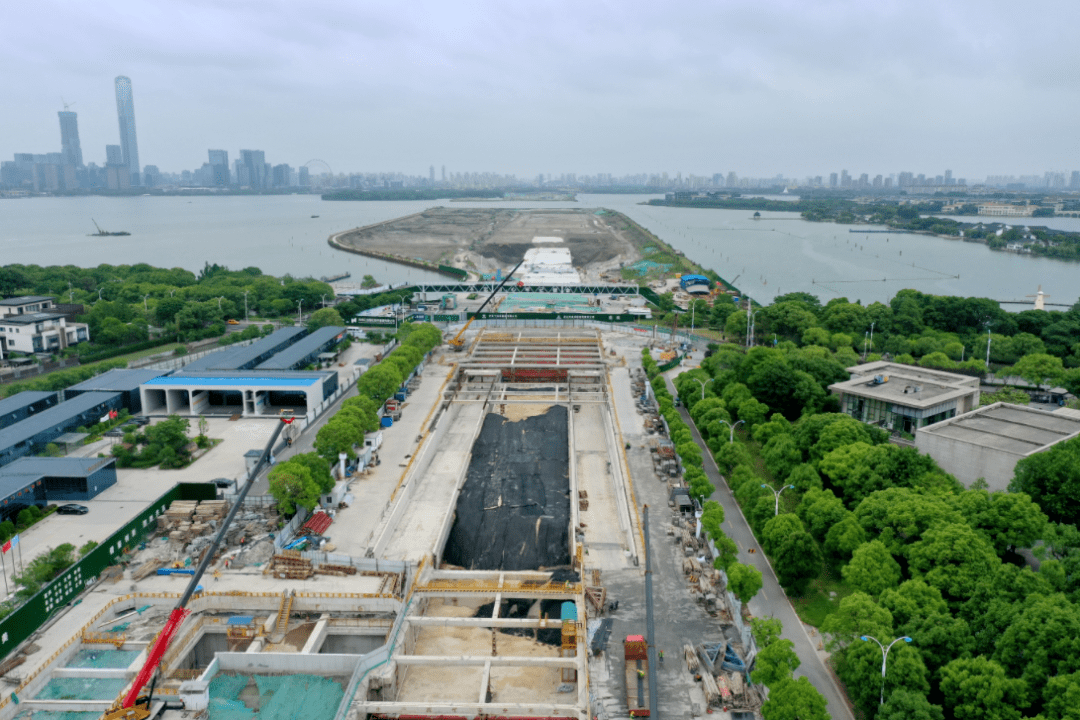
(125, 111)
(69, 138)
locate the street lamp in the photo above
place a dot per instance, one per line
(987, 346)
(776, 510)
(145, 306)
(865, 335)
(703, 384)
(245, 304)
(884, 657)
(299, 311)
(732, 438)
(323, 298)
(753, 323)
(219, 302)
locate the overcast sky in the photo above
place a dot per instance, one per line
(761, 87)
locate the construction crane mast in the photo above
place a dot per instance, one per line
(458, 343)
(135, 706)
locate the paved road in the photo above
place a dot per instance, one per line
(771, 600)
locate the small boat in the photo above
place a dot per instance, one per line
(103, 233)
(314, 216)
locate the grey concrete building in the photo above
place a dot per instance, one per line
(239, 392)
(988, 442)
(904, 397)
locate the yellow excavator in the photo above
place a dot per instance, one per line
(458, 343)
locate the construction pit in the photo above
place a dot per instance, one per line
(473, 599)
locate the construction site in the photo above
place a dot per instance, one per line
(489, 583)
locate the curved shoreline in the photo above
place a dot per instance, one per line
(335, 242)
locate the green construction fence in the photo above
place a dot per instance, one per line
(26, 619)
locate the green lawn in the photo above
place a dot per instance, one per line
(817, 604)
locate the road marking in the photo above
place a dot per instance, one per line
(764, 596)
(739, 544)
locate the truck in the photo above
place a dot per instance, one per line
(635, 650)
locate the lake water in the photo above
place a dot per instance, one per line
(776, 254)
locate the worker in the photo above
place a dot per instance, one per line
(217, 576)
(661, 657)
(641, 674)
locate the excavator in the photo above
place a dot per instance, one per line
(458, 343)
(135, 705)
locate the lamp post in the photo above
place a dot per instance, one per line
(776, 510)
(99, 293)
(245, 304)
(884, 657)
(145, 306)
(872, 334)
(219, 302)
(988, 346)
(753, 324)
(731, 439)
(299, 311)
(703, 384)
(323, 298)
(865, 336)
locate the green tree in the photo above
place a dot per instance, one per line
(820, 510)
(908, 705)
(953, 558)
(872, 569)
(338, 436)
(857, 615)
(1061, 697)
(977, 689)
(805, 478)
(1038, 369)
(900, 516)
(1009, 520)
(744, 581)
(795, 555)
(368, 282)
(380, 382)
(766, 630)
(794, 700)
(844, 538)
(859, 667)
(775, 663)
(324, 317)
(781, 456)
(292, 486)
(1043, 641)
(712, 517)
(319, 469)
(911, 601)
(1052, 479)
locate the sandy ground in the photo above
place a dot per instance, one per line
(462, 684)
(483, 239)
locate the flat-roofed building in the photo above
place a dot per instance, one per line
(22, 405)
(121, 380)
(988, 442)
(239, 392)
(245, 357)
(904, 397)
(63, 479)
(305, 351)
(34, 433)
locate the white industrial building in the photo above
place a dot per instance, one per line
(245, 393)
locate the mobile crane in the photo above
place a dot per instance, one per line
(134, 705)
(458, 343)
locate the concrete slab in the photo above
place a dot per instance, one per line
(435, 490)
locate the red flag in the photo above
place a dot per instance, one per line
(7, 546)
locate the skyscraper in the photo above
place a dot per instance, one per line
(125, 111)
(219, 164)
(69, 138)
(254, 163)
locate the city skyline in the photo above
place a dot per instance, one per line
(757, 87)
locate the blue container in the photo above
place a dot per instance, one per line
(387, 421)
(569, 612)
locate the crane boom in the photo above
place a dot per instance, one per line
(458, 342)
(176, 617)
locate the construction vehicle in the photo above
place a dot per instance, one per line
(635, 650)
(458, 343)
(135, 705)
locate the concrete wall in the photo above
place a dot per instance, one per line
(969, 462)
